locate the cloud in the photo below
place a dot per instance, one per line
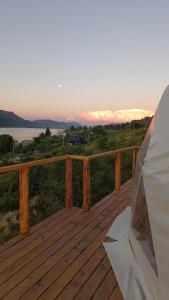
(108, 116)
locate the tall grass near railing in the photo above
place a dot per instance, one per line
(102, 178)
(9, 205)
(46, 191)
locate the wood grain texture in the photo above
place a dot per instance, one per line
(24, 202)
(134, 158)
(31, 164)
(63, 257)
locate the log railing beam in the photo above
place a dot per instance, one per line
(24, 180)
(24, 205)
(135, 151)
(134, 157)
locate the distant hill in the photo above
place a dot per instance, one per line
(55, 124)
(145, 122)
(10, 119)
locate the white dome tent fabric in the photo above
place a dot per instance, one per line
(140, 256)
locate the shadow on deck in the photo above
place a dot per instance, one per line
(63, 256)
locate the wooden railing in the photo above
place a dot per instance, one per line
(24, 178)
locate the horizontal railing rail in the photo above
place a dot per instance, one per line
(31, 164)
(24, 178)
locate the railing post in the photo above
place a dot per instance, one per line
(86, 184)
(24, 205)
(134, 158)
(117, 171)
(68, 184)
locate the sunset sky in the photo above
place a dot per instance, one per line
(97, 61)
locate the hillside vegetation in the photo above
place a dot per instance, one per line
(47, 183)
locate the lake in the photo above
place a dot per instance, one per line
(21, 134)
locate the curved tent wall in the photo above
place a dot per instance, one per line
(140, 258)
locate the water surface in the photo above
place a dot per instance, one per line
(21, 134)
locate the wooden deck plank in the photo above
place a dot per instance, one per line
(38, 262)
(55, 277)
(36, 241)
(24, 260)
(106, 288)
(116, 294)
(16, 266)
(63, 257)
(49, 263)
(43, 223)
(79, 280)
(33, 236)
(69, 271)
(89, 289)
(40, 237)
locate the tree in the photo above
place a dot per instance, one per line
(85, 128)
(99, 129)
(41, 135)
(47, 132)
(72, 128)
(6, 143)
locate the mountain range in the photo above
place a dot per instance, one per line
(10, 119)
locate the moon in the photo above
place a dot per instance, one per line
(59, 86)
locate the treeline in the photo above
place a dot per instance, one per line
(145, 122)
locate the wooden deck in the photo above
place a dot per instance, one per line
(63, 257)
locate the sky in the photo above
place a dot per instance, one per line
(86, 60)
